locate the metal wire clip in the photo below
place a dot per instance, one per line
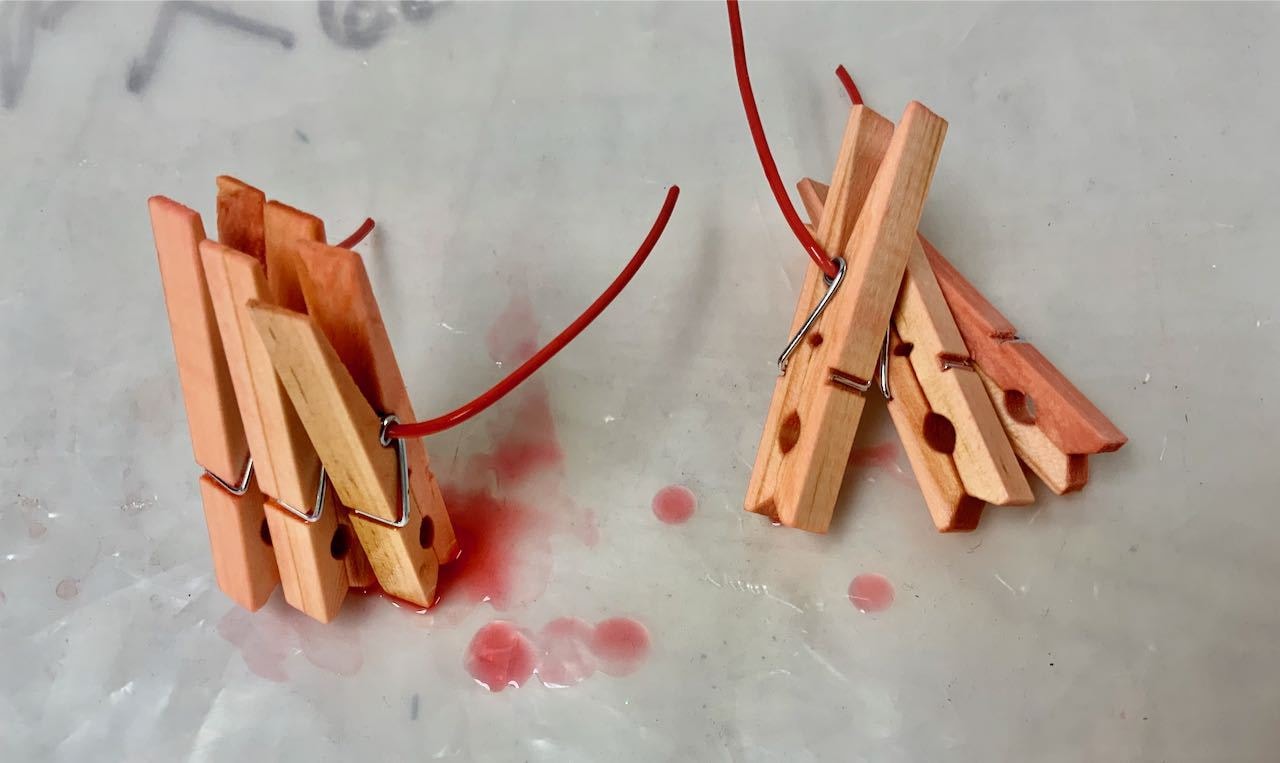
(239, 489)
(318, 504)
(832, 285)
(402, 461)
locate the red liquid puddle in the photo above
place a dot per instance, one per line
(622, 644)
(674, 504)
(500, 655)
(267, 638)
(566, 652)
(883, 456)
(508, 503)
(871, 593)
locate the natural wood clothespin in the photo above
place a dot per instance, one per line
(955, 413)
(818, 402)
(243, 562)
(370, 475)
(1058, 427)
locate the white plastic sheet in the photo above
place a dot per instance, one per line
(1107, 180)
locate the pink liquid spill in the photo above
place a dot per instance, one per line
(266, 639)
(506, 550)
(566, 652)
(674, 504)
(871, 593)
(622, 644)
(883, 456)
(501, 655)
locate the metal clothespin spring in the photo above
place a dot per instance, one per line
(832, 285)
(245, 476)
(884, 365)
(317, 504)
(402, 462)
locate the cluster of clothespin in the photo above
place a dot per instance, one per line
(315, 478)
(881, 307)
(290, 384)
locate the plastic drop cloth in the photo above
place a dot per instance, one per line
(1105, 180)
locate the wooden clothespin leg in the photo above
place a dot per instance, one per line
(1058, 426)
(340, 298)
(946, 376)
(370, 477)
(243, 562)
(811, 448)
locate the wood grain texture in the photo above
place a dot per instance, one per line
(866, 139)
(1062, 472)
(987, 463)
(240, 217)
(1063, 413)
(339, 296)
(244, 563)
(853, 326)
(952, 509)
(285, 228)
(245, 571)
(285, 461)
(345, 430)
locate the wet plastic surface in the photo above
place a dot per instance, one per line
(1106, 181)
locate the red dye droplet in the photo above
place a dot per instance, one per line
(871, 593)
(621, 644)
(674, 504)
(565, 657)
(500, 655)
(506, 551)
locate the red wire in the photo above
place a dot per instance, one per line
(820, 257)
(849, 86)
(358, 236)
(453, 418)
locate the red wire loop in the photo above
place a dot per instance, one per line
(806, 239)
(358, 236)
(494, 394)
(849, 86)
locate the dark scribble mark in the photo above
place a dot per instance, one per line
(302, 136)
(413, 708)
(358, 24)
(17, 44)
(142, 69)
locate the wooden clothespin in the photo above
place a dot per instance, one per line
(243, 562)
(954, 420)
(830, 363)
(369, 470)
(1054, 427)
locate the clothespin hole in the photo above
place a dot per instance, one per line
(939, 433)
(903, 349)
(264, 532)
(427, 532)
(341, 543)
(815, 339)
(1021, 407)
(789, 432)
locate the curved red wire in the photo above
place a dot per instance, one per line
(358, 236)
(820, 257)
(849, 86)
(455, 417)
